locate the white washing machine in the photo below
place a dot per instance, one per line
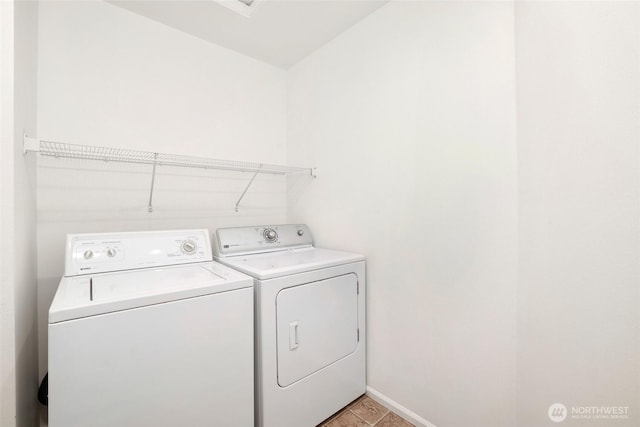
(146, 330)
(310, 321)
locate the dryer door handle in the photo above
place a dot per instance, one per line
(293, 335)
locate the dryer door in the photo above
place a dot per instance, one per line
(317, 324)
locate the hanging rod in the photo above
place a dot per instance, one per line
(122, 155)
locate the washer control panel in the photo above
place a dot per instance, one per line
(257, 239)
(100, 253)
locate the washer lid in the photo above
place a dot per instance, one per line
(84, 296)
(293, 261)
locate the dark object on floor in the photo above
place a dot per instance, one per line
(43, 391)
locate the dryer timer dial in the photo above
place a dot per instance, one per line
(270, 235)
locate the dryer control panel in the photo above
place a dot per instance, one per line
(259, 239)
(105, 252)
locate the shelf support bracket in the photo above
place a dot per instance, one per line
(30, 144)
(153, 179)
(247, 187)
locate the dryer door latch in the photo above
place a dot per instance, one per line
(293, 335)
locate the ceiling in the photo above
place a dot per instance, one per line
(279, 32)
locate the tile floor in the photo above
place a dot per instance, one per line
(365, 412)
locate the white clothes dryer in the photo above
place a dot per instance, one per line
(146, 330)
(310, 321)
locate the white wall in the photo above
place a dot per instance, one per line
(110, 77)
(18, 227)
(410, 118)
(578, 79)
(7, 302)
(25, 254)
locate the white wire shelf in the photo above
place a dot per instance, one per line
(122, 155)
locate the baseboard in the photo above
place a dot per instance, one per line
(398, 409)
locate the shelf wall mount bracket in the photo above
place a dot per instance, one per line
(30, 144)
(248, 185)
(153, 180)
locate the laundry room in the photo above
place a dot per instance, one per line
(464, 176)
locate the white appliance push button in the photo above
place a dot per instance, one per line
(189, 247)
(270, 235)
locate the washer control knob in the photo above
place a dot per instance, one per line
(189, 247)
(270, 235)
(300, 232)
(88, 254)
(111, 252)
